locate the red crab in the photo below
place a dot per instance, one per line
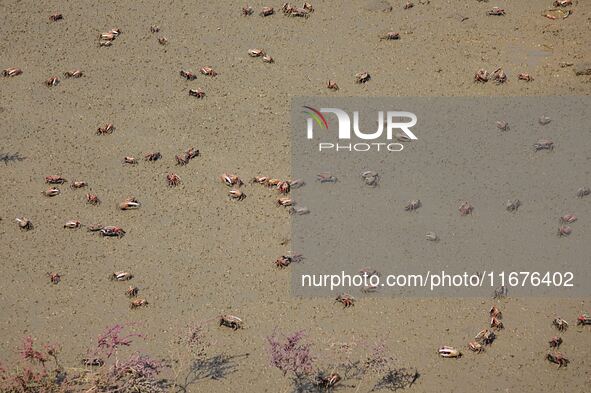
(112, 231)
(466, 208)
(92, 199)
(55, 179)
(345, 299)
(173, 180)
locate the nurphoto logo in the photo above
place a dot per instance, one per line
(394, 120)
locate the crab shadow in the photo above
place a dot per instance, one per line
(214, 367)
(397, 379)
(14, 157)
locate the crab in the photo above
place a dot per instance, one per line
(332, 85)
(198, 93)
(584, 319)
(112, 231)
(431, 236)
(400, 137)
(92, 199)
(286, 260)
(188, 75)
(544, 144)
(583, 192)
(260, 180)
(346, 300)
(51, 192)
(24, 223)
(466, 208)
(273, 183)
(138, 303)
(154, 29)
(296, 183)
(180, 160)
(94, 227)
(568, 219)
(173, 180)
(130, 204)
(370, 178)
(525, 77)
(299, 210)
(92, 362)
(486, 337)
(256, 52)
(268, 59)
(191, 153)
(560, 324)
(502, 125)
(107, 129)
(129, 160)
(162, 40)
(513, 205)
(208, 71)
(12, 71)
(325, 177)
(55, 179)
(555, 342)
(408, 5)
(298, 12)
(481, 76)
(544, 120)
(152, 156)
(283, 187)
(564, 230)
(230, 321)
(308, 7)
(391, 35)
(558, 358)
(362, 77)
(73, 74)
(494, 312)
(53, 81)
(78, 184)
(285, 202)
(54, 278)
(247, 11)
(236, 195)
(475, 346)
(449, 352)
(72, 224)
(499, 76)
(231, 180)
(413, 205)
(121, 276)
(327, 382)
(496, 11)
(266, 11)
(132, 291)
(562, 3)
(496, 324)
(105, 43)
(55, 17)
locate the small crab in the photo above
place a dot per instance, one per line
(496, 11)
(107, 129)
(268, 59)
(138, 303)
(24, 223)
(346, 300)
(72, 224)
(152, 156)
(208, 71)
(584, 319)
(475, 346)
(236, 194)
(512, 205)
(55, 179)
(53, 81)
(496, 324)
(332, 85)
(502, 125)
(260, 180)
(308, 7)
(92, 199)
(560, 324)
(12, 71)
(449, 352)
(362, 77)
(191, 153)
(73, 74)
(256, 52)
(297, 183)
(583, 192)
(198, 93)
(568, 219)
(564, 230)
(325, 177)
(499, 76)
(266, 11)
(121, 276)
(494, 312)
(188, 75)
(129, 160)
(431, 236)
(173, 180)
(555, 342)
(327, 382)
(247, 10)
(481, 75)
(285, 202)
(413, 205)
(408, 5)
(231, 180)
(112, 231)
(273, 183)
(154, 29)
(486, 337)
(132, 291)
(283, 187)
(544, 144)
(558, 358)
(370, 178)
(391, 35)
(466, 208)
(544, 120)
(130, 204)
(51, 192)
(400, 137)
(54, 278)
(92, 362)
(55, 17)
(525, 77)
(299, 210)
(162, 40)
(563, 3)
(298, 12)
(286, 260)
(180, 160)
(79, 184)
(230, 321)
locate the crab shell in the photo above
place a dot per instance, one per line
(52, 192)
(449, 352)
(72, 224)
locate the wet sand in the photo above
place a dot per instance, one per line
(195, 254)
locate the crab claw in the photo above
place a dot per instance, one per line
(449, 352)
(129, 204)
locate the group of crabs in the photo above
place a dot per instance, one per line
(487, 336)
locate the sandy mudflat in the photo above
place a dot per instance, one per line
(194, 254)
